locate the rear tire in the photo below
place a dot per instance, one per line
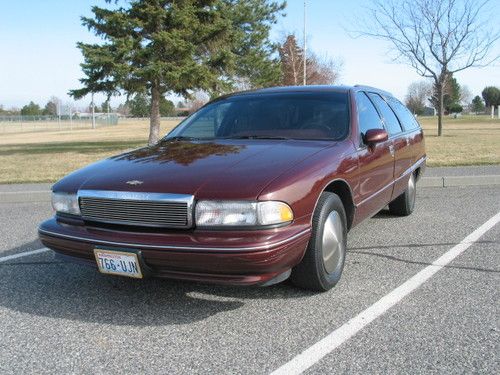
(405, 203)
(323, 262)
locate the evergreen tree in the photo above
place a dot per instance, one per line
(139, 105)
(157, 47)
(31, 109)
(50, 109)
(167, 108)
(491, 96)
(104, 107)
(452, 100)
(477, 105)
(451, 95)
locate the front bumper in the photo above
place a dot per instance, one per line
(226, 257)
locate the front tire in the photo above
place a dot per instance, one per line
(323, 263)
(405, 203)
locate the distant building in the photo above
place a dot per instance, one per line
(88, 115)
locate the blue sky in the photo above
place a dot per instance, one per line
(39, 57)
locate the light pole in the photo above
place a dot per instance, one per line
(305, 47)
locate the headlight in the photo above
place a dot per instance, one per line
(242, 213)
(65, 203)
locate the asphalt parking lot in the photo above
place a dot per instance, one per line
(64, 318)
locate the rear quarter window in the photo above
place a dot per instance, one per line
(406, 118)
(390, 119)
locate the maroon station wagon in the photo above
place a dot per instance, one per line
(253, 188)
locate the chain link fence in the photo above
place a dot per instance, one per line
(18, 124)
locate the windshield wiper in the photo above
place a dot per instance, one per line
(257, 137)
(180, 138)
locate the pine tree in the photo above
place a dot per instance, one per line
(159, 47)
(31, 109)
(491, 96)
(50, 108)
(139, 105)
(451, 95)
(477, 105)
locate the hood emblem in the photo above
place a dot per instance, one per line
(134, 182)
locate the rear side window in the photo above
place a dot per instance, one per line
(368, 117)
(390, 119)
(405, 116)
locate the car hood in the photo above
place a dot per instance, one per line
(221, 169)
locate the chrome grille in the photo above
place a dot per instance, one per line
(137, 209)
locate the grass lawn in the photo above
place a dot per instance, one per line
(469, 140)
(47, 156)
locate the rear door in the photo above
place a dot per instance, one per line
(412, 130)
(413, 135)
(402, 150)
(376, 163)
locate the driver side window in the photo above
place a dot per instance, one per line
(368, 117)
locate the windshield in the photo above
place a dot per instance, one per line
(274, 116)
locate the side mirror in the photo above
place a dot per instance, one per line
(374, 136)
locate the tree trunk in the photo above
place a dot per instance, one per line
(154, 120)
(440, 93)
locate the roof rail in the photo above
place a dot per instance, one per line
(370, 88)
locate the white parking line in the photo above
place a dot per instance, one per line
(24, 254)
(326, 345)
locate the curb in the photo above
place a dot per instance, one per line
(456, 181)
(427, 182)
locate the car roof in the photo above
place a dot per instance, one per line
(311, 88)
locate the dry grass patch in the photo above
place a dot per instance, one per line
(48, 156)
(465, 141)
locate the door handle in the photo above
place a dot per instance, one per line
(391, 149)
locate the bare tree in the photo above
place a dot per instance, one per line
(436, 37)
(465, 95)
(197, 100)
(417, 96)
(58, 103)
(320, 70)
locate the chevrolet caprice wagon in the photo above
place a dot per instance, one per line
(253, 188)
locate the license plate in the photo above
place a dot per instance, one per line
(118, 263)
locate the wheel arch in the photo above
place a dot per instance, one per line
(418, 173)
(343, 190)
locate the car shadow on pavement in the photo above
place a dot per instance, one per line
(43, 286)
(385, 214)
(368, 250)
(32, 245)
